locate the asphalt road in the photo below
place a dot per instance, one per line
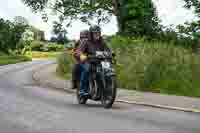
(27, 108)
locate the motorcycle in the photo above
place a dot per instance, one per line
(102, 80)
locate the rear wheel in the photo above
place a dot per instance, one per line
(110, 92)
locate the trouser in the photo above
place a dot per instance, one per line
(84, 78)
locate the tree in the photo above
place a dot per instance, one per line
(60, 37)
(6, 35)
(192, 28)
(139, 18)
(84, 10)
(53, 39)
(19, 20)
(189, 28)
(10, 36)
(193, 4)
(38, 34)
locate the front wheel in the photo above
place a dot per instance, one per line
(110, 92)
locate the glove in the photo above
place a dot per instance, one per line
(113, 54)
(83, 57)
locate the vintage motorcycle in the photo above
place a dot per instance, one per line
(102, 79)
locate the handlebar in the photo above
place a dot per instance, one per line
(101, 55)
(98, 57)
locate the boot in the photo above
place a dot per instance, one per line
(74, 86)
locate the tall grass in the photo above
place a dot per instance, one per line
(8, 59)
(151, 66)
(65, 63)
(38, 54)
(157, 67)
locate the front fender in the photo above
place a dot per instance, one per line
(110, 74)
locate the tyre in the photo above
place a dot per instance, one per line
(110, 92)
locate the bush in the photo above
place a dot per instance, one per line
(38, 54)
(46, 47)
(37, 46)
(65, 63)
(151, 66)
(54, 47)
(2, 53)
(4, 60)
(157, 67)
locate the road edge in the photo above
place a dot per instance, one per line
(49, 84)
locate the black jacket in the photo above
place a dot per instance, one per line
(89, 47)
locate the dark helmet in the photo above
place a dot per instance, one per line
(84, 34)
(95, 28)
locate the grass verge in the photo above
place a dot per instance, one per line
(37, 54)
(65, 64)
(150, 66)
(6, 59)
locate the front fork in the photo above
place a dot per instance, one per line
(101, 77)
(104, 79)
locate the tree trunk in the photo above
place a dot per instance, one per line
(120, 24)
(116, 12)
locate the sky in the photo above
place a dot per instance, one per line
(170, 12)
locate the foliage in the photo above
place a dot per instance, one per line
(37, 45)
(59, 37)
(192, 29)
(38, 34)
(10, 36)
(6, 35)
(65, 64)
(23, 47)
(5, 59)
(157, 67)
(193, 4)
(134, 17)
(150, 66)
(54, 47)
(19, 20)
(139, 18)
(46, 46)
(38, 54)
(70, 9)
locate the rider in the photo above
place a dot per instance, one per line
(96, 43)
(84, 36)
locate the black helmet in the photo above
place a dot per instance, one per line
(95, 28)
(84, 34)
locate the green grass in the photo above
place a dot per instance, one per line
(65, 64)
(37, 54)
(150, 66)
(66, 76)
(157, 67)
(6, 59)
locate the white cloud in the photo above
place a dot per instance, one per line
(170, 11)
(77, 26)
(11, 8)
